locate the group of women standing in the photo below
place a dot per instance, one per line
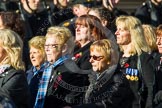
(88, 71)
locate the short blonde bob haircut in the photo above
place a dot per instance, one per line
(105, 47)
(38, 42)
(63, 36)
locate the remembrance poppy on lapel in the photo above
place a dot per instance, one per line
(126, 65)
(76, 56)
(59, 78)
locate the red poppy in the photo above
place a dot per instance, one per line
(56, 83)
(126, 65)
(76, 56)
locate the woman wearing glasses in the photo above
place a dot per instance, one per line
(108, 87)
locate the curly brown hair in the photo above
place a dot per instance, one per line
(12, 20)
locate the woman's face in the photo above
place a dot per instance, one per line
(1, 23)
(34, 4)
(82, 33)
(99, 61)
(63, 3)
(159, 1)
(123, 36)
(36, 57)
(79, 11)
(52, 49)
(159, 43)
(3, 52)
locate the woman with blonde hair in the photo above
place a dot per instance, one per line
(13, 80)
(38, 60)
(59, 46)
(150, 36)
(135, 60)
(108, 87)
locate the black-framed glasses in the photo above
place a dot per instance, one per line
(51, 45)
(97, 58)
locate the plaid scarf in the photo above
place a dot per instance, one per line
(31, 73)
(39, 103)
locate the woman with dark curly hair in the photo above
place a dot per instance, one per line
(12, 20)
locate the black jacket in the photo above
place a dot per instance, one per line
(143, 87)
(148, 13)
(59, 15)
(14, 83)
(66, 86)
(158, 73)
(83, 60)
(110, 90)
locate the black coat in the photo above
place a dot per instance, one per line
(33, 82)
(70, 87)
(110, 90)
(59, 15)
(14, 83)
(83, 60)
(157, 65)
(158, 73)
(143, 87)
(144, 13)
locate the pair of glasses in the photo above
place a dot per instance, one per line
(97, 58)
(51, 45)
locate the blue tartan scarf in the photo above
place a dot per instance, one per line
(39, 103)
(34, 71)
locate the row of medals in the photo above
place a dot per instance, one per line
(132, 74)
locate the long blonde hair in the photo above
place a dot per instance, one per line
(13, 45)
(134, 26)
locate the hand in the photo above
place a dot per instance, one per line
(110, 3)
(158, 97)
(113, 3)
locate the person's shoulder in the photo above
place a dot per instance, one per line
(11, 71)
(5, 100)
(145, 55)
(156, 59)
(71, 68)
(29, 70)
(118, 75)
(66, 67)
(68, 22)
(141, 8)
(143, 5)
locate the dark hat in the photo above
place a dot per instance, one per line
(86, 3)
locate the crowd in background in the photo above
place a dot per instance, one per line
(80, 54)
